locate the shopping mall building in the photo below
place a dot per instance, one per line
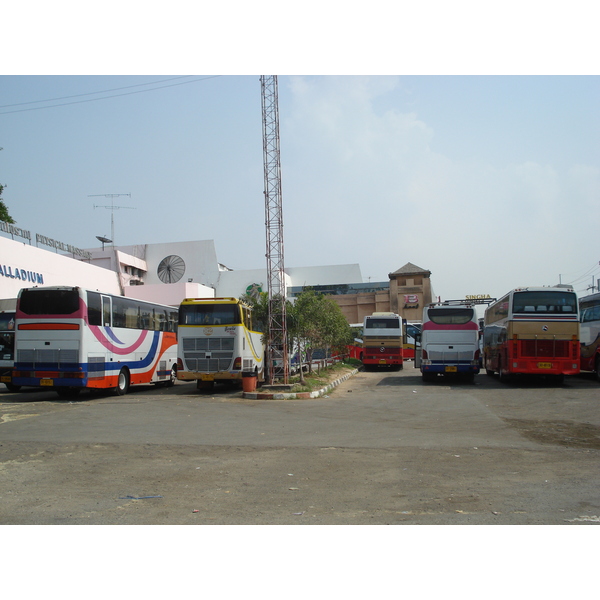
(168, 273)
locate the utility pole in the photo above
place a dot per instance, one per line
(277, 349)
(112, 208)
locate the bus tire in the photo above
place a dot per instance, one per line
(597, 369)
(11, 387)
(122, 383)
(172, 377)
(503, 375)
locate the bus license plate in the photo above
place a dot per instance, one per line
(6, 379)
(47, 382)
(544, 365)
(382, 361)
(451, 369)
(207, 377)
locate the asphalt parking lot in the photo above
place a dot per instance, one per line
(381, 448)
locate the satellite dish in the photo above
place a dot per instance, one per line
(171, 269)
(104, 240)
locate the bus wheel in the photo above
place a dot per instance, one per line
(68, 392)
(172, 377)
(122, 383)
(504, 376)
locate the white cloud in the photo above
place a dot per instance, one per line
(370, 185)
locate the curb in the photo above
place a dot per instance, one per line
(299, 395)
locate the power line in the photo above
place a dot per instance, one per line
(93, 93)
(586, 274)
(8, 112)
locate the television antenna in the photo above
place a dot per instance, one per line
(112, 208)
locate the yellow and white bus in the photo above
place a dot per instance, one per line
(217, 342)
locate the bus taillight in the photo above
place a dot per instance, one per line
(237, 363)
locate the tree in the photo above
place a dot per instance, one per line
(313, 321)
(319, 323)
(4, 216)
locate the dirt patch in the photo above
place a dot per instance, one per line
(561, 433)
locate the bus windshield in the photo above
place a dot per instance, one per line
(550, 302)
(383, 323)
(450, 316)
(209, 314)
(49, 302)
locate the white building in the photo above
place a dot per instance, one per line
(163, 273)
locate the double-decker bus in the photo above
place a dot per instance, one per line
(7, 343)
(69, 338)
(217, 342)
(589, 307)
(449, 343)
(532, 331)
(383, 340)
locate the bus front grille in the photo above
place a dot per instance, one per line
(208, 355)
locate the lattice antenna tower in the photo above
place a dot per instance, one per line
(278, 367)
(112, 208)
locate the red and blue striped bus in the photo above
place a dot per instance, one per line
(69, 338)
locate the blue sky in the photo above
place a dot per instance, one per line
(489, 181)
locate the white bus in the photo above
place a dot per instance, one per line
(589, 306)
(449, 340)
(69, 338)
(7, 343)
(217, 342)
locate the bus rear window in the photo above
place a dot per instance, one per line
(450, 316)
(550, 302)
(209, 314)
(383, 324)
(49, 302)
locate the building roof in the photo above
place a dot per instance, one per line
(409, 269)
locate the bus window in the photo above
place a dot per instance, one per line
(49, 302)
(450, 316)
(94, 308)
(106, 312)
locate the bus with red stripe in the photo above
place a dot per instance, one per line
(533, 331)
(449, 343)
(69, 339)
(383, 341)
